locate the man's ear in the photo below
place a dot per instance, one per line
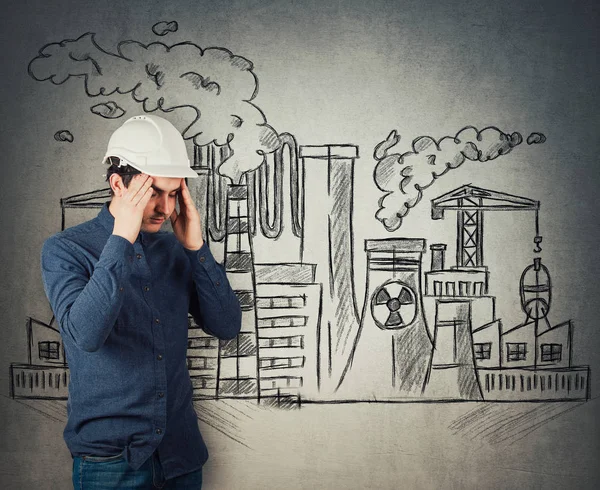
(117, 185)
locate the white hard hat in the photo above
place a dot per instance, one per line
(152, 145)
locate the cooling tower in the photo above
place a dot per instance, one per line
(393, 349)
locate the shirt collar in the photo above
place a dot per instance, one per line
(106, 219)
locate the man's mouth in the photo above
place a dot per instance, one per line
(157, 220)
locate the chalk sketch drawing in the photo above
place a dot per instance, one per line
(163, 28)
(422, 335)
(109, 110)
(64, 135)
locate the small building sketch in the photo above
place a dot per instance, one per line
(45, 375)
(288, 308)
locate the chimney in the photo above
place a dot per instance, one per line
(438, 252)
(238, 358)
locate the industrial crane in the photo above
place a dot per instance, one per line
(470, 202)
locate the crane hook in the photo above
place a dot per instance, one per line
(537, 240)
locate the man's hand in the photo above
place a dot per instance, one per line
(186, 223)
(128, 210)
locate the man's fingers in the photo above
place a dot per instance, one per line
(143, 197)
(173, 216)
(140, 195)
(180, 198)
(186, 196)
(146, 197)
(185, 191)
(135, 184)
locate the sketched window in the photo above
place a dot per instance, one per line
(49, 350)
(551, 352)
(516, 351)
(483, 351)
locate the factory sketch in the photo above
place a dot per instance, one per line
(431, 335)
(421, 333)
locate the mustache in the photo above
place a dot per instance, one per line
(159, 216)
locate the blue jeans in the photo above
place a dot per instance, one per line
(108, 473)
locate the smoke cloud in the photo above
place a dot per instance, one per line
(110, 110)
(536, 139)
(404, 176)
(163, 28)
(216, 84)
(64, 135)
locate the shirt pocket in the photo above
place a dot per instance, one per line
(103, 459)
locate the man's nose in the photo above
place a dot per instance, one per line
(164, 205)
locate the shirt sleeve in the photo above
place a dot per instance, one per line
(85, 298)
(213, 303)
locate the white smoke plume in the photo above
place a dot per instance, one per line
(218, 85)
(404, 176)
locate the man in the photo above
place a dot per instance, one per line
(121, 291)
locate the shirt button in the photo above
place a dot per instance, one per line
(159, 357)
(202, 259)
(161, 395)
(156, 320)
(159, 431)
(139, 256)
(121, 288)
(218, 283)
(146, 288)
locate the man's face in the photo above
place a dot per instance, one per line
(161, 204)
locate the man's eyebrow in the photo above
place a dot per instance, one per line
(158, 189)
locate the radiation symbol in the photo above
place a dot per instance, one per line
(393, 305)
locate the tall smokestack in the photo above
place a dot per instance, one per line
(328, 187)
(438, 254)
(238, 358)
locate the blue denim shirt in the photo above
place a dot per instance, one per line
(123, 316)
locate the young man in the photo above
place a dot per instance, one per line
(121, 291)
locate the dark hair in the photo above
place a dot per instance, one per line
(125, 171)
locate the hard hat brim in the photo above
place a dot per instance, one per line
(166, 171)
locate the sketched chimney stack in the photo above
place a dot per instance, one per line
(438, 256)
(237, 375)
(328, 209)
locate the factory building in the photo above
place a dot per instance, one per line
(456, 304)
(486, 345)
(434, 337)
(202, 361)
(288, 306)
(46, 374)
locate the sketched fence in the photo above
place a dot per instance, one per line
(40, 382)
(535, 385)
